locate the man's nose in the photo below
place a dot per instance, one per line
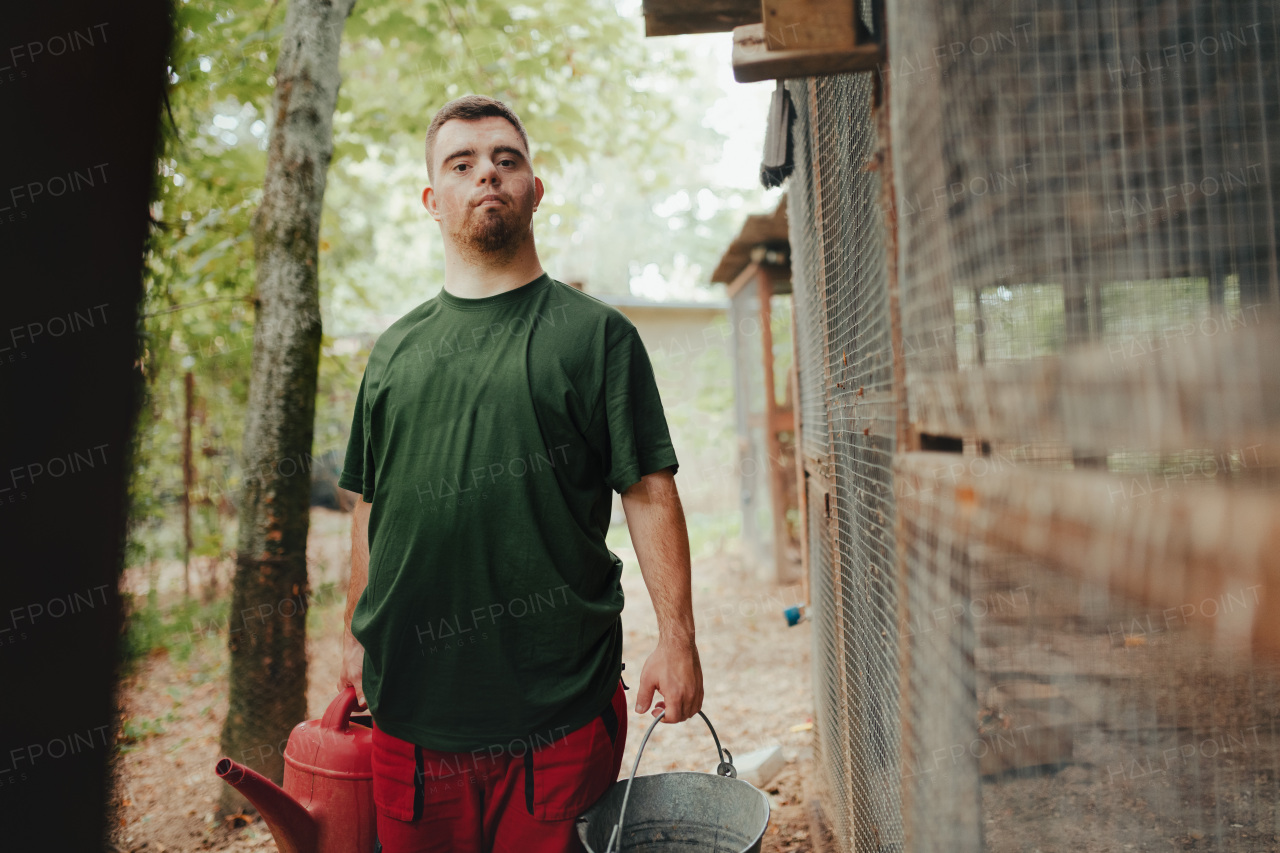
(487, 172)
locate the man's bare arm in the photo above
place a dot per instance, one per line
(658, 533)
(352, 651)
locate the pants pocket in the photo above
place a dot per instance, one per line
(397, 776)
(565, 778)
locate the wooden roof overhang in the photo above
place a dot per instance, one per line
(762, 240)
(797, 38)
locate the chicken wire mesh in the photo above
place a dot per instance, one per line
(1084, 172)
(806, 267)
(1049, 638)
(846, 409)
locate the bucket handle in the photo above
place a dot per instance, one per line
(724, 768)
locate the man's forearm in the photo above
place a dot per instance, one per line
(359, 558)
(658, 533)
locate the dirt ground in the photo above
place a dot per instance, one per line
(756, 674)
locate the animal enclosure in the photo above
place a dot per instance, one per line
(1036, 291)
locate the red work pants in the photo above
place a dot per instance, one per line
(512, 799)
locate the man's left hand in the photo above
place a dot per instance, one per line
(674, 671)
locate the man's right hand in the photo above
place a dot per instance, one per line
(352, 667)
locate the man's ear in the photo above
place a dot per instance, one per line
(429, 202)
(537, 191)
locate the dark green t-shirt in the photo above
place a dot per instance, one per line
(488, 434)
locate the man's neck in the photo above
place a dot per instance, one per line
(472, 276)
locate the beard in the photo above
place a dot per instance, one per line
(494, 231)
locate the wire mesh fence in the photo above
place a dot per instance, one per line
(1036, 310)
(846, 382)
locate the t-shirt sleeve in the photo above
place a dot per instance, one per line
(639, 441)
(357, 470)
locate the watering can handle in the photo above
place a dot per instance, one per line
(724, 768)
(338, 714)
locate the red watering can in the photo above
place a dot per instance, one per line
(326, 804)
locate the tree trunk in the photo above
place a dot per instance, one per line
(268, 603)
(188, 481)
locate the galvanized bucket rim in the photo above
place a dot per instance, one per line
(722, 780)
(724, 769)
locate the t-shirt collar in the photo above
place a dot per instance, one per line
(515, 294)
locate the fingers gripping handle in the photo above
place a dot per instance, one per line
(338, 714)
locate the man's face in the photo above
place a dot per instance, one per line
(485, 191)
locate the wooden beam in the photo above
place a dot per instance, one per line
(783, 420)
(797, 446)
(1158, 393)
(754, 61)
(809, 24)
(904, 437)
(1180, 549)
(777, 473)
(816, 470)
(677, 17)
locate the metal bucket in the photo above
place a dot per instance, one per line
(682, 811)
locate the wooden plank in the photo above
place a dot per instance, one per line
(783, 420)
(777, 485)
(753, 61)
(809, 24)
(797, 445)
(904, 437)
(676, 17)
(1189, 548)
(1168, 392)
(802, 485)
(816, 470)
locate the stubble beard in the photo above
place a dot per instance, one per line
(493, 233)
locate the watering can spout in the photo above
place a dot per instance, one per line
(294, 828)
(326, 802)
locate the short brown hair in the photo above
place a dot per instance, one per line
(470, 108)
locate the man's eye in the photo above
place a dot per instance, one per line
(508, 162)
(460, 167)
